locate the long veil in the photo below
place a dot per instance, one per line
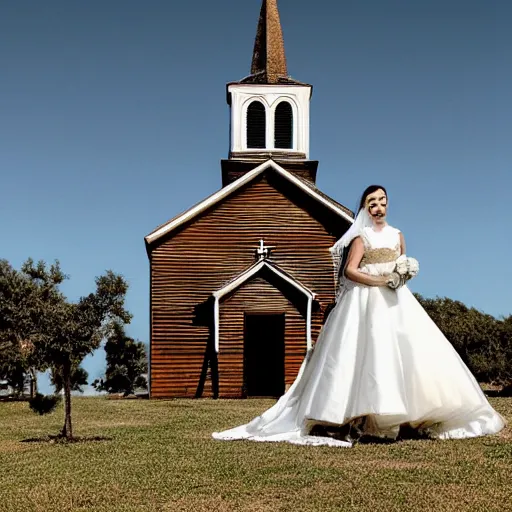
(339, 249)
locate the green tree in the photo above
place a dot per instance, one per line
(479, 338)
(17, 368)
(50, 331)
(126, 362)
(24, 299)
(507, 355)
(74, 330)
(12, 366)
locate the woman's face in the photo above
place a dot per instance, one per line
(377, 204)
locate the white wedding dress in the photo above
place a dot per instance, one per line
(379, 363)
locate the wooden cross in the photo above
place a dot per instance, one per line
(263, 251)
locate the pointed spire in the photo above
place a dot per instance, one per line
(269, 58)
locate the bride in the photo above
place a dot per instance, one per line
(380, 363)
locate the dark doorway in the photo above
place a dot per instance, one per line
(264, 355)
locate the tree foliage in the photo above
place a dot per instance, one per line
(126, 363)
(483, 342)
(25, 296)
(51, 332)
(13, 368)
(79, 378)
(43, 404)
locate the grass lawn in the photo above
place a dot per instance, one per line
(159, 457)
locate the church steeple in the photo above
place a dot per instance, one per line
(269, 59)
(269, 109)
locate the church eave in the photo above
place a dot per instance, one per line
(246, 82)
(253, 270)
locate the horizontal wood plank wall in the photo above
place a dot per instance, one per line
(234, 175)
(256, 296)
(187, 267)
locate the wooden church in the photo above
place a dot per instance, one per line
(240, 283)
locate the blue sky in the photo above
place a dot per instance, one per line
(113, 119)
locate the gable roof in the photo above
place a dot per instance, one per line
(247, 274)
(221, 194)
(254, 269)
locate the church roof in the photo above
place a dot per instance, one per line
(195, 211)
(268, 55)
(240, 279)
(252, 271)
(317, 191)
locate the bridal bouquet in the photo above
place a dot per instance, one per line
(406, 268)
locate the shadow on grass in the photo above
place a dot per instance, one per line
(58, 439)
(504, 392)
(354, 433)
(406, 433)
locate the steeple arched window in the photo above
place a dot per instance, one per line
(283, 126)
(256, 125)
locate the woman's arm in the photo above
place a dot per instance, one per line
(402, 243)
(355, 256)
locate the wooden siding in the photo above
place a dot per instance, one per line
(233, 169)
(293, 162)
(206, 254)
(257, 296)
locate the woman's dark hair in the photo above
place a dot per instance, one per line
(369, 190)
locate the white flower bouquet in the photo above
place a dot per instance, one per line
(406, 268)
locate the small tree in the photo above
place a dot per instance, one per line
(126, 362)
(49, 331)
(43, 404)
(74, 330)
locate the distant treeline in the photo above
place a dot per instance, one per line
(483, 342)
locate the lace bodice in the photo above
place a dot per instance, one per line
(382, 248)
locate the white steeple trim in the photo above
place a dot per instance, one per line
(242, 95)
(231, 188)
(245, 276)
